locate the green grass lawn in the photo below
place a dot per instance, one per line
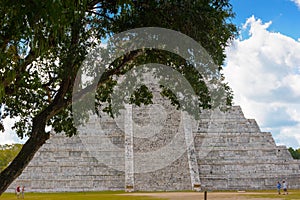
(77, 196)
(293, 194)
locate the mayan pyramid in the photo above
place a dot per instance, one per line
(223, 151)
(159, 148)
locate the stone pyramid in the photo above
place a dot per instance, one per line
(222, 151)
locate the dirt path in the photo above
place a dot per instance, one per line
(200, 195)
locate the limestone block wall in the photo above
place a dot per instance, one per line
(241, 156)
(64, 164)
(226, 152)
(176, 176)
(171, 175)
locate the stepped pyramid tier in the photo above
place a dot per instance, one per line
(222, 151)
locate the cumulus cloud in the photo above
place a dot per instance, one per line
(9, 136)
(297, 2)
(264, 73)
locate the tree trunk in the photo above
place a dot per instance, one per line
(26, 154)
(36, 140)
(38, 135)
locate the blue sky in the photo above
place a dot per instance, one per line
(263, 66)
(284, 14)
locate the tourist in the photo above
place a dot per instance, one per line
(284, 186)
(18, 191)
(278, 187)
(22, 191)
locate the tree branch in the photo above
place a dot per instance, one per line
(99, 14)
(116, 71)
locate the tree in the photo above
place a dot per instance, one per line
(8, 153)
(295, 153)
(43, 44)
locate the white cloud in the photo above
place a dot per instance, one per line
(289, 135)
(9, 136)
(297, 2)
(264, 73)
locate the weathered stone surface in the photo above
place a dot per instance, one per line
(226, 151)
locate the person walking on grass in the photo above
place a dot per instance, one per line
(278, 187)
(284, 186)
(18, 191)
(22, 192)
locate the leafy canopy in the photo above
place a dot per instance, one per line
(44, 43)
